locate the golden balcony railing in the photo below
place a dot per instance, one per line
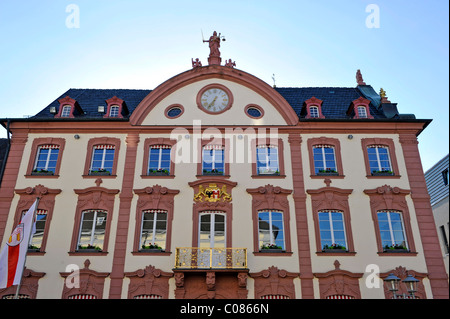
(210, 258)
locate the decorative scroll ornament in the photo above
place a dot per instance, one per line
(212, 194)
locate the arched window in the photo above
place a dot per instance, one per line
(114, 111)
(66, 111)
(313, 111)
(362, 112)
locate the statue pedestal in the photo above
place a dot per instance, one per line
(214, 60)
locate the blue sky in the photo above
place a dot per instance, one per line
(139, 44)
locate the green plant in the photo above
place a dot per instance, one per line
(80, 247)
(335, 246)
(271, 246)
(151, 246)
(396, 246)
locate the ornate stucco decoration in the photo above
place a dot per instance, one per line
(339, 282)
(91, 282)
(149, 281)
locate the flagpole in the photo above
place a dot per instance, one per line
(29, 240)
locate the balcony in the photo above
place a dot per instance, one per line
(210, 258)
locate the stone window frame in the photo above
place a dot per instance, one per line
(158, 198)
(391, 198)
(332, 198)
(271, 197)
(148, 143)
(387, 142)
(335, 143)
(37, 142)
(90, 152)
(93, 198)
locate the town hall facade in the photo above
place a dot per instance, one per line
(217, 185)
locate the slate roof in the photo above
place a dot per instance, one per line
(91, 99)
(336, 100)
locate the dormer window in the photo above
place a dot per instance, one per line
(68, 108)
(360, 109)
(116, 107)
(313, 108)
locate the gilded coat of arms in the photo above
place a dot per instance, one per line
(212, 193)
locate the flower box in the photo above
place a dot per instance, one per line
(42, 173)
(327, 174)
(212, 172)
(334, 250)
(89, 249)
(151, 250)
(33, 249)
(382, 173)
(158, 172)
(269, 250)
(100, 173)
(395, 251)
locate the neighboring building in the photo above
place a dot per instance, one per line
(437, 179)
(3, 155)
(176, 193)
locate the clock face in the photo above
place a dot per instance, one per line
(214, 100)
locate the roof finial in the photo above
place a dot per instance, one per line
(384, 99)
(359, 78)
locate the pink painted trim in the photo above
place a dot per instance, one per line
(213, 72)
(314, 102)
(111, 102)
(63, 102)
(360, 102)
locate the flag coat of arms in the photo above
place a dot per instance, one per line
(13, 254)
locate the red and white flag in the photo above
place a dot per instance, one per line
(13, 255)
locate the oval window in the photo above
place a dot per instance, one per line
(254, 112)
(174, 111)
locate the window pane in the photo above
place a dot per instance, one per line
(51, 166)
(109, 155)
(154, 155)
(54, 155)
(36, 241)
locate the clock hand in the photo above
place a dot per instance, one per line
(212, 103)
